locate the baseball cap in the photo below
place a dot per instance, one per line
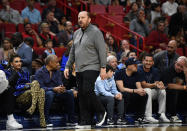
(131, 61)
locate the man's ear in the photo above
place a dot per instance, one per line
(89, 20)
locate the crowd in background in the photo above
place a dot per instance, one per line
(161, 74)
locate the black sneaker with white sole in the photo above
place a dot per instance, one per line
(121, 121)
(141, 121)
(110, 121)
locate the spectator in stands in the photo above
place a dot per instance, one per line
(157, 38)
(154, 88)
(7, 103)
(166, 58)
(140, 25)
(155, 12)
(7, 14)
(47, 34)
(37, 64)
(147, 9)
(61, 26)
(132, 13)
(51, 6)
(30, 14)
(29, 32)
(181, 43)
(6, 51)
(126, 4)
(122, 65)
(49, 48)
(140, 4)
(112, 61)
(24, 92)
(52, 21)
(89, 55)
(169, 7)
(109, 95)
(23, 50)
(65, 36)
(112, 45)
(66, 56)
(50, 80)
(125, 48)
(103, 2)
(132, 54)
(29, 41)
(177, 22)
(128, 83)
(174, 78)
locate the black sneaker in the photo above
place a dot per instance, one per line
(101, 119)
(110, 121)
(141, 121)
(121, 121)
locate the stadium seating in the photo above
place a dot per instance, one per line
(97, 9)
(180, 51)
(18, 5)
(115, 10)
(9, 29)
(39, 7)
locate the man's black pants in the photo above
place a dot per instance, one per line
(88, 101)
(135, 103)
(171, 101)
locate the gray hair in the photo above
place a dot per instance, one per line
(184, 58)
(111, 57)
(49, 58)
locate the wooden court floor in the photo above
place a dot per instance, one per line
(145, 127)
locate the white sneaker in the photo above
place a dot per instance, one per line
(151, 120)
(175, 119)
(101, 119)
(163, 118)
(13, 124)
(49, 125)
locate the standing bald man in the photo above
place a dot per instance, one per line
(89, 54)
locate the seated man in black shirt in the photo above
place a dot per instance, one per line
(154, 88)
(175, 78)
(128, 82)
